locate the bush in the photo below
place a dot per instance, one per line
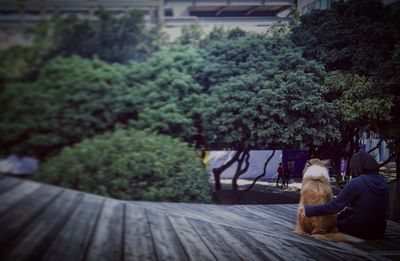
(71, 100)
(131, 165)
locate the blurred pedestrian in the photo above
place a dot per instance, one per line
(286, 177)
(280, 170)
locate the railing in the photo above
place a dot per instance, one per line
(235, 2)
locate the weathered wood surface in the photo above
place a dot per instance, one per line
(43, 222)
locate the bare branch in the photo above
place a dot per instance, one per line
(257, 178)
(377, 146)
(387, 160)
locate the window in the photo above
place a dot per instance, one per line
(169, 12)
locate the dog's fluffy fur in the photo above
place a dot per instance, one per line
(316, 190)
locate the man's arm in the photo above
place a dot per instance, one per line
(349, 192)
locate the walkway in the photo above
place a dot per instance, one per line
(43, 222)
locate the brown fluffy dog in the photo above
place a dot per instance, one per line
(316, 190)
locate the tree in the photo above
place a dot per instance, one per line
(72, 99)
(236, 33)
(168, 98)
(357, 37)
(22, 62)
(354, 36)
(110, 38)
(388, 80)
(359, 107)
(130, 165)
(191, 35)
(267, 96)
(218, 33)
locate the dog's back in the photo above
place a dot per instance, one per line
(316, 190)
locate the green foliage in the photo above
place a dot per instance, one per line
(253, 54)
(356, 99)
(191, 34)
(387, 80)
(130, 165)
(218, 33)
(167, 97)
(264, 93)
(16, 62)
(359, 38)
(355, 36)
(22, 62)
(72, 99)
(279, 29)
(110, 38)
(236, 33)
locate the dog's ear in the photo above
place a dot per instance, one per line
(326, 162)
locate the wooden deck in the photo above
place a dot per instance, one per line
(42, 222)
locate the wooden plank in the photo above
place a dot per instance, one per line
(292, 250)
(33, 241)
(14, 220)
(192, 243)
(15, 194)
(277, 214)
(326, 254)
(393, 228)
(107, 242)
(240, 247)
(381, 245)
(7, 183)
(283, 229)
(265, 216)
(218, 215)
(138, 241)
(218, 246)
(71, 242)
(271, 249)
(392, 254)
(166, 242)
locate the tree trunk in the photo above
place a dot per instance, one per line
(239, 171)
(257, 178)
(311, 152)
(218, 171)
(357, 141)
(350, 153)
(336, 168)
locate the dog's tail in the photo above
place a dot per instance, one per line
(337, 237)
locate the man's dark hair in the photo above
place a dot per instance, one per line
(363, 163)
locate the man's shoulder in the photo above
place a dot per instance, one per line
(353, 182)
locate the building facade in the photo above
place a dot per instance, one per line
(15, 15)
(249, 15)
(305, 6)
